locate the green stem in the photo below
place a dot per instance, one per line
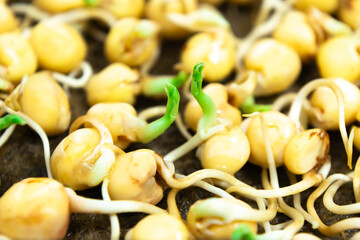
(249, 106)
(92, 3)
(144, 29)
(156, 128)
(9, 120)
(206, 103)
(243, 232)
(156, 86)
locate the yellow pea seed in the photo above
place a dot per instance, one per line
(225, 230)
(56, 6)
(44, 101)
(214, 218)
(228, 151)
(157, 10)
(67, 161)
(129, 44)
(58, 46)
(326, 107)
(295, 31)
(278, 64)
(124, 8)
(306, 150)
(349, 12)
(17, 57)
(133, 178)
(217, 92)
(340, 57)
(121, 120)
(280, 130)
(35, 208)
(159, 226)
(116, 83)
(8, 21)
(216, 50)
(328, 6)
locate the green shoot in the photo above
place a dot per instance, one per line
(211, 17)
(243, 232)
(156, 87)
(249, 106)
(206, 103)
(144, 29)
(156, 128)
(5, 85)
(9, 120)
(92, 3)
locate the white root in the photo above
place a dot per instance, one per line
(114, 220)
(192, 143)
(70, 81)
(36, 127)
(81, 14)
(152, 112)
(80, 204)
(6, 135)
(296, 108)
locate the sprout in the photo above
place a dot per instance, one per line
(325, 115)
(243, 232)
(242, 87)
(9, 120)
(218, 217)
(70, 81)
(132, 41)
(205, 128)
(126, 127)
(92, 3)
(159, 10)
(339, 226)
(156, 128)
(249, 106)
(224, 111)
(84, 158)
(155, 86)
(207, 105)
(204, 19)
(329, 25)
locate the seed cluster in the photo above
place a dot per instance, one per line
(47, 70)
